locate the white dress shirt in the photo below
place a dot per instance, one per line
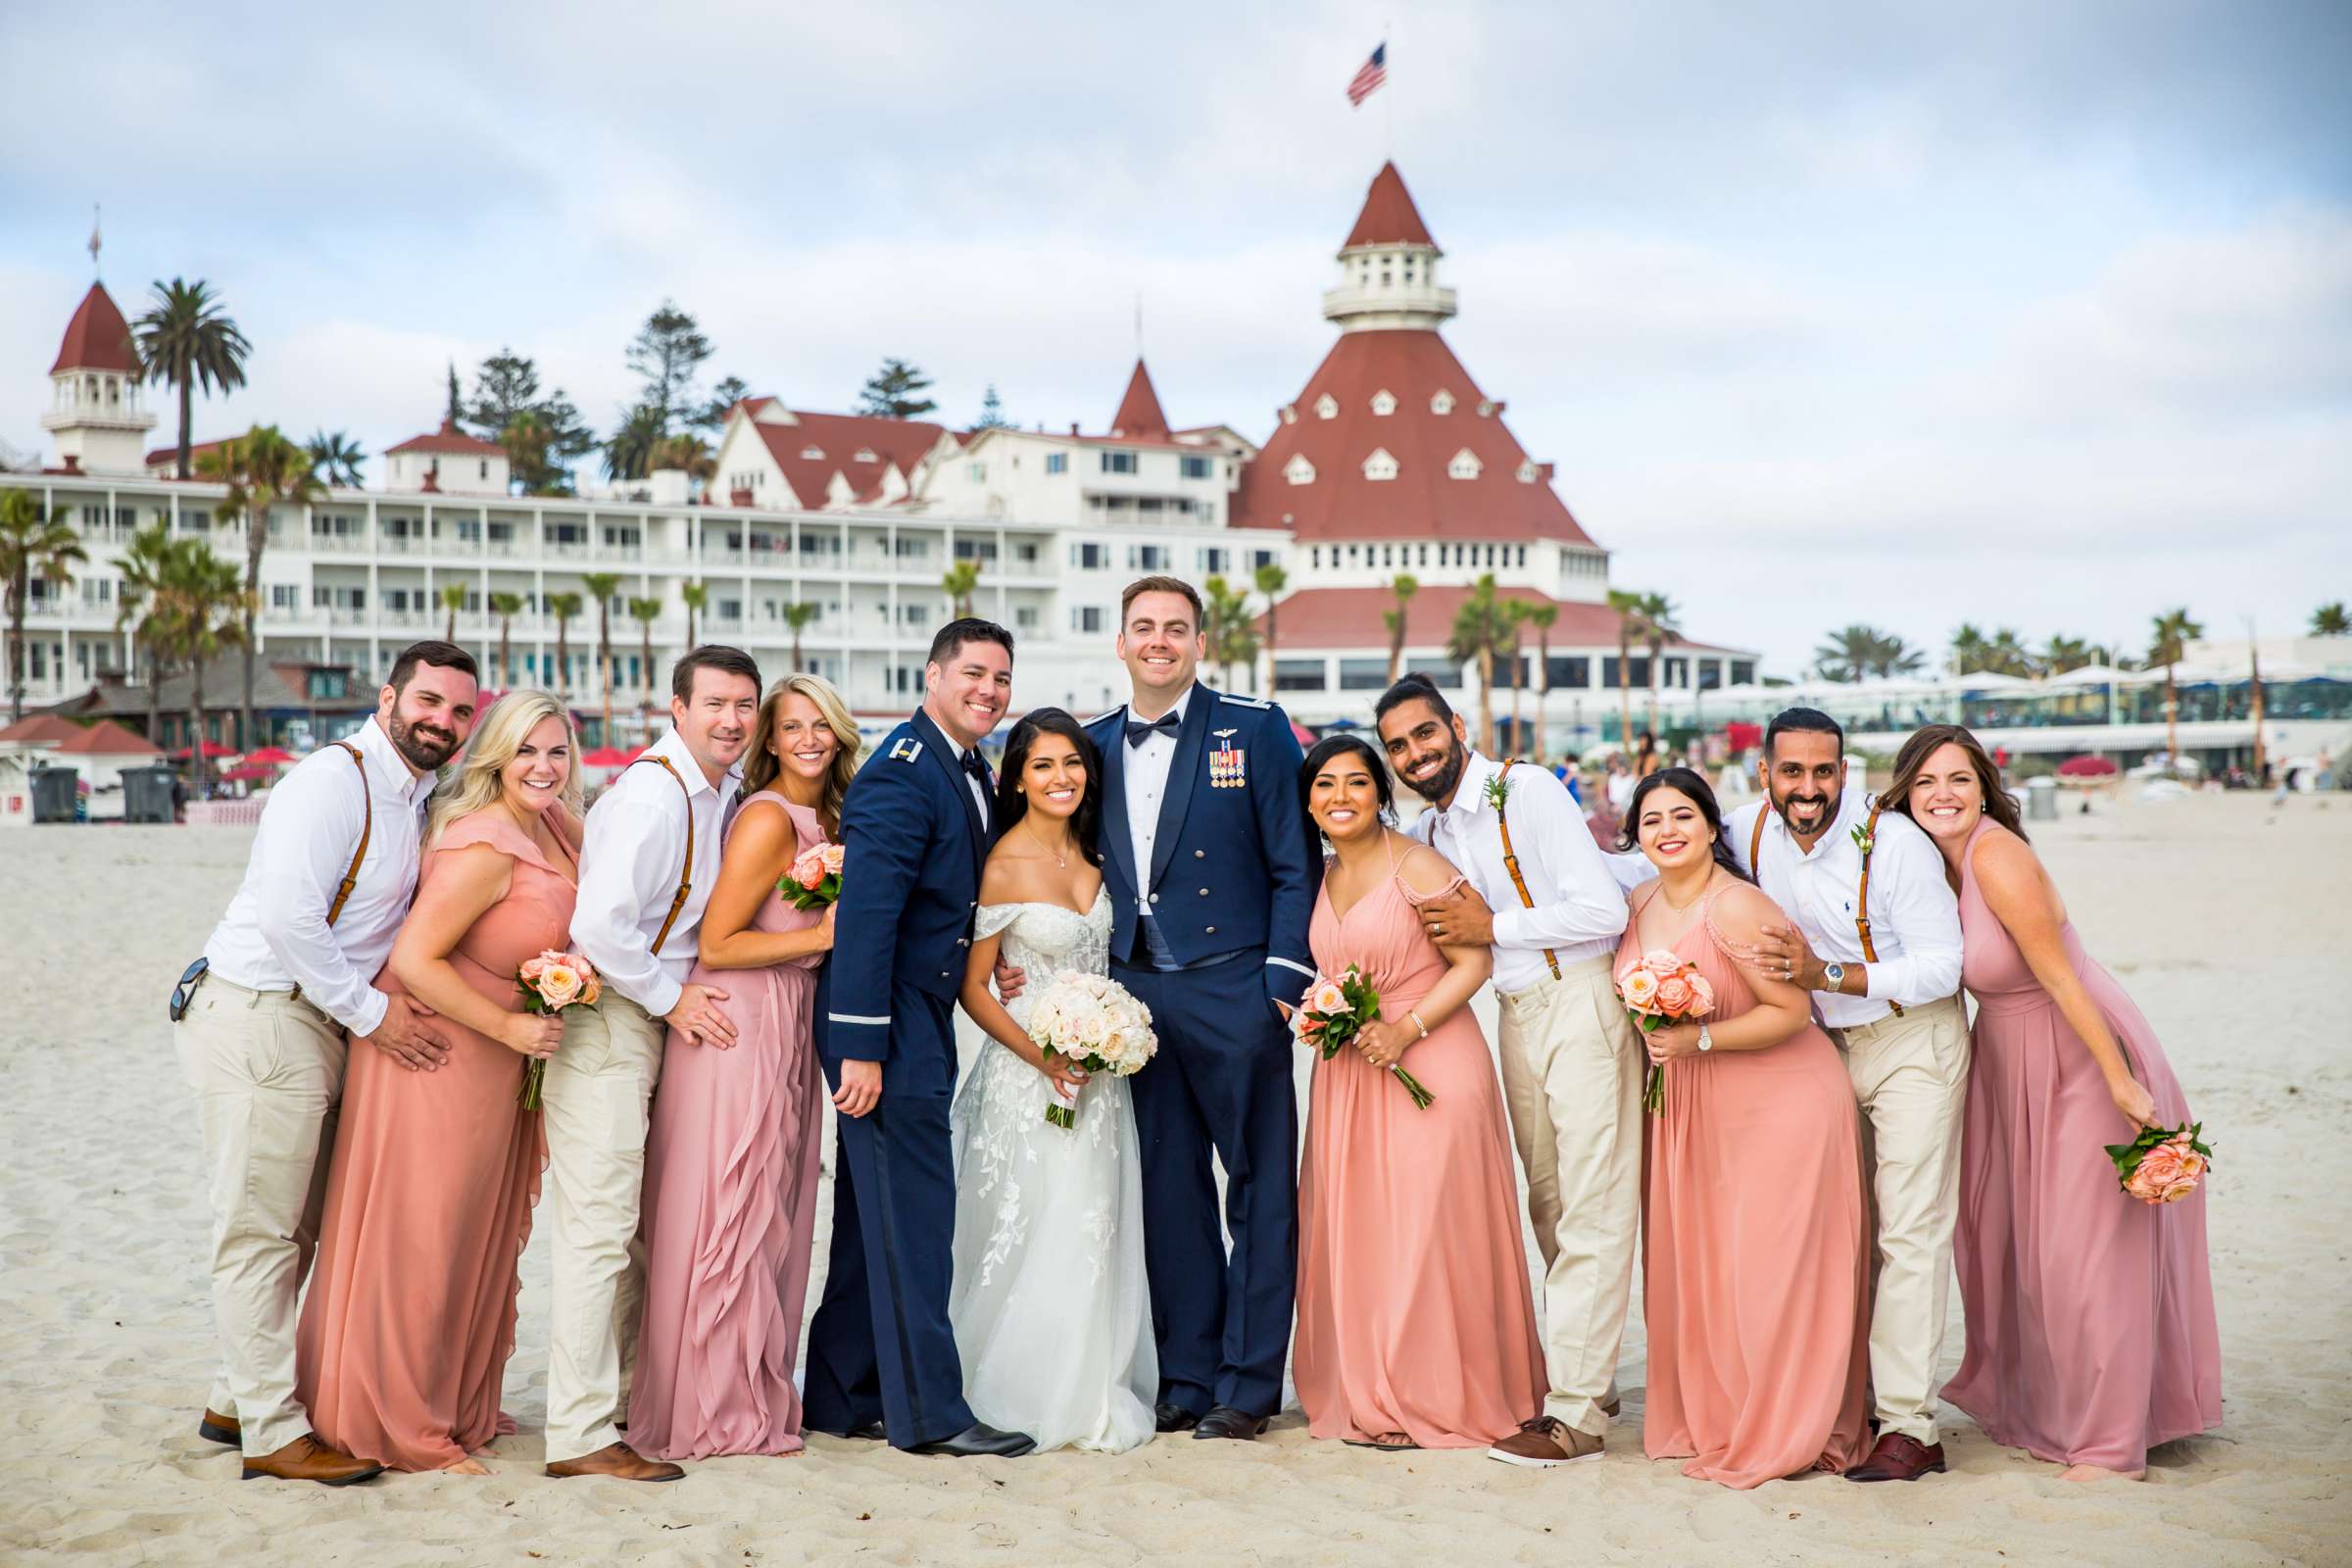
(274, 936)
(972, 781)
(630, 856)
(1147, 778)
(1579, 910)
(1914, 917)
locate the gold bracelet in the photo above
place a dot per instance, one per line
(1418, 1023)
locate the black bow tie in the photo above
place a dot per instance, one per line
(976, 768)
(1138, 731)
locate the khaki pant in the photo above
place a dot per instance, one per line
(268, 1071)
(598, 1086)
(1572, 1073)
(1910, 1077)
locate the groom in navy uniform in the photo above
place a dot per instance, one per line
(1205, 851)
(882, 1359)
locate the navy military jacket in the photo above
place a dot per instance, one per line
(1233, 867)
(912, 841)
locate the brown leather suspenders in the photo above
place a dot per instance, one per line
(351, 878)
(1511, 861)
(1870, 841)
(686, 872)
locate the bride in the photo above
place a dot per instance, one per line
(1053, 1318)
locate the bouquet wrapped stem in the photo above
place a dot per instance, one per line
(551, 983)
(1334, 1013)
(1094, 1021)
(1662, 990)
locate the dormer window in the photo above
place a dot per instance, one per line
(1384, 403)
(1380, 465)
(1327, 407)
(1440, 401)
(864, 455)
(1465, 466)
(813, 454)
(1299, 471)
(1527, 471)
(1289, 414)
(1486, 408)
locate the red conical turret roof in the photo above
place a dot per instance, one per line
(1139, 410)
(1390, 217)
(97, 339)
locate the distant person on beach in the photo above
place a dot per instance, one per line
(2089, 1313)
(260, 1021)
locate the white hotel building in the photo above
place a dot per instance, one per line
(1391, 461)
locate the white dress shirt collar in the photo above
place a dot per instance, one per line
(1470, 794)
(393, 770)
(1176, 707)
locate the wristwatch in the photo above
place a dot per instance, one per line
(1706, 1041)
(1834, 974)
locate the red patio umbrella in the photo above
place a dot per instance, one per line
(268, 757)
(211, 749)
(250, 771)
(2087, 766)
(608, 757)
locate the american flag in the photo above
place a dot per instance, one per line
(1374, 72)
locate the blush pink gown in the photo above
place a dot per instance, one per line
(2090, 1324)
(1415, 1312)
(1754, 1259)
(730, 1210)
(409, 1320)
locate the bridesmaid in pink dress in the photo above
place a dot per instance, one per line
(731, 1157)
(409, 1320)
(2090, 1322)
(1754, 1256)
(1416, 1328)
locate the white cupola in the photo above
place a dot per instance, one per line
(1389, 267)
(96, 412)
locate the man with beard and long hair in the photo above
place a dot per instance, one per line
(1876, 936)
(1544, 898)
(261, 1021)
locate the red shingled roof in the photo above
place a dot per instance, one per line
(1423, 500)
(1390, 217)
(1139, 410)
(196, 450)
(106, 738)
(97, 339)
(36, 728)
(1350, 617)
(449, 439)
(841, 438)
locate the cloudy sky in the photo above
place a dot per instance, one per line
(2036, 316)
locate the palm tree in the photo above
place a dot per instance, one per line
(962, 580)
(186, 339)
(1404, 585)
(628, 455)
(645, 611)
(1847, 655)
(601, 587)
(261, 469)
(143, 565)
(1631, 626)
(687, 451)
(1480, 630)
(2329, 620)
(1659, 624)
(1514, 621)
(525, 440)
(562, 606)
(2007, 654)
(1232, 640)
(1891, 656)
(1968, 648)
(697, 596)
(204, 610)
(1270, 581)
(2066, 653)
(453, 600)
(796, 616)
(31, 545)
(2168, 638)
(335, 458)
(505, 606)
(1541, 616)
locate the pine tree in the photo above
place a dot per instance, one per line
(894, 392)
(665, 354)
(991, 412)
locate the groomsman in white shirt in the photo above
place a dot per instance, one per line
(649, 858)
(260, 1030)
(1545, 898)
(1877, 938)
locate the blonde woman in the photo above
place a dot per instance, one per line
(731, 1161)
(405, 1335)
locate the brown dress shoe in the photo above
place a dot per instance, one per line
(1545, 1442)
(306, 1458)
(619, 1461)
(218, 1428)
(1898, 1458)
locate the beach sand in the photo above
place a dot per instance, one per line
(2227, 926)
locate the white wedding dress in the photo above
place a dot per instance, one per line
(1051, 1313)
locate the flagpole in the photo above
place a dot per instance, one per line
(1388, 108)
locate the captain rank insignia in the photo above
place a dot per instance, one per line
(1228, 763)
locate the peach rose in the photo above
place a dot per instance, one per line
(559, 985)
(1703, 994)
(1640, 988)
(533, 968)
(809, 876)
(2166, 1174)
(1327, 998)
(829, 856)
(1675, 996)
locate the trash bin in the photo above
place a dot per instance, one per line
(2041, 799)
(147, 794)
(55, 792)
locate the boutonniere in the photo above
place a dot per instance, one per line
(1863, 839)
(1499, 790)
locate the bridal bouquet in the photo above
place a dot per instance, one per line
(2162, 1166)
(1093, 1020)
(1334, 1013)
(1662, 990)
(550, 983)
(814, 879)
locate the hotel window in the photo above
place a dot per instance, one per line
(1025, 554)
(864, 455)
(1327, 407)
(1193, 467)
(1710, 674)
(1299, 675)
(1424, 553)
(976, 471)
(284, 595)
(1380, 465)
(982, 549)
(915, 614)
(485, 474)
(1465, 466)
(1150, 557)
(1057, 462)
(1212, 560)
(1024, 618)
(1363, 675)
(1118, 462)
(1260, 558)
(1744, 673)
(1299, 471)
(1383, 402)
(911, 548)
(1091, 558)
(1315, 556)
(1570, 671)
(1086, 617)
(812, 454)
(1678, 672)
